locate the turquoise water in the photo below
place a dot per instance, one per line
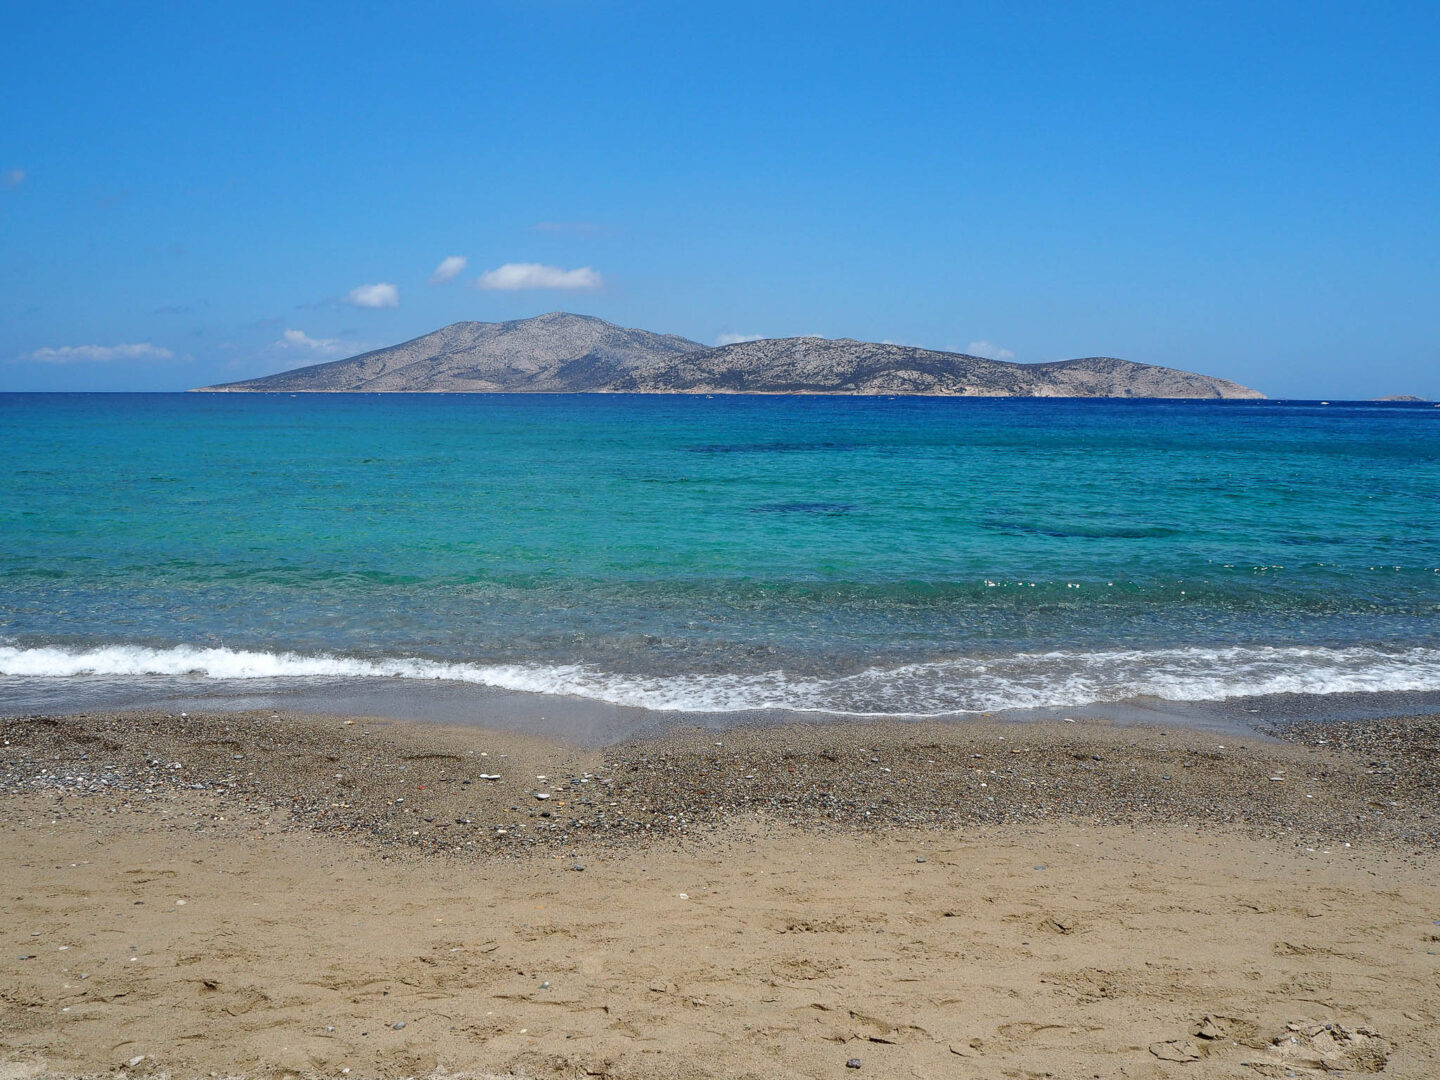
(917, 556)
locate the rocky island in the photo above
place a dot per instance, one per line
(561, 353)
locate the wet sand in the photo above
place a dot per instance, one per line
(269, 895)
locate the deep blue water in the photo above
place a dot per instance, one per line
(909, 555)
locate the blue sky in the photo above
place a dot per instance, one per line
(204, 192)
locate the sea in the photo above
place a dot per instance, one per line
(597, 566)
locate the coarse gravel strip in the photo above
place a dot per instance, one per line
(463, 791)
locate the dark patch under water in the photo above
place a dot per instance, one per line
(831, 509)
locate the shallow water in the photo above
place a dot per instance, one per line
(837, 555)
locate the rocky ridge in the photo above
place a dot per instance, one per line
(560, 353)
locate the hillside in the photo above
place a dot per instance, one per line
(811, 365)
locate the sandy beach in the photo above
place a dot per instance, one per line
(278, 895)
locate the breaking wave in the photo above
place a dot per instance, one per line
(935, 688)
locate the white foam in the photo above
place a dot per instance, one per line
(1019, 681)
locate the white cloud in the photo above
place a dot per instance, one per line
(903, 344)
(298, 339)
(451, 267)
(989, 350)
(98, 354)
(13, 177)
(735, 339)
(513, 276)
(381, 295)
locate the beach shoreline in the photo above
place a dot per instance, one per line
(592, 722)
(958, 899)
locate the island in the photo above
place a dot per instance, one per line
(561, 353)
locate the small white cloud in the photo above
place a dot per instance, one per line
(302, 340)
(298, 339)
(451, 267)
(514, 276)
(13, 177)
(381, 295)
(989, 350)
(903, 344)
(98, 354)
(735, 339)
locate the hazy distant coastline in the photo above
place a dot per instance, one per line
(560, 353)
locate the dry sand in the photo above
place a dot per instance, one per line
(776, 906)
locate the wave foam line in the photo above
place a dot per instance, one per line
(1020, 681)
